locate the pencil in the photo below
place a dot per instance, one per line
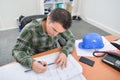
(40, 63)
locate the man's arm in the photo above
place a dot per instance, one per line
(22, 50)
(70, 41)
(67, 48)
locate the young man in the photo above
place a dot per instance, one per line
(40, 36)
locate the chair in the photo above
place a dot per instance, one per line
(23, 20)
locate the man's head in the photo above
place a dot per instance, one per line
(61, 16)
(58, 21)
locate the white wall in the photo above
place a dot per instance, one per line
(10, 10)
(104, 14)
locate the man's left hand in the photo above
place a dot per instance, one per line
(61, 60)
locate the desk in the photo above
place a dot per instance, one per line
(100, 70)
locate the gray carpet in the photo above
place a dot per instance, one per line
(7, 41)
(80, 28)
(8, 38)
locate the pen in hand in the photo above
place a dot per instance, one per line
(40, 63)
(32, 69)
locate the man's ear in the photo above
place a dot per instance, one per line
(48, 19)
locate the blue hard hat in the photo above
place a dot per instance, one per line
(91, 41)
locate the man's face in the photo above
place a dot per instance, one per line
(53, 29)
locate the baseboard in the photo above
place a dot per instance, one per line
(101, 26)
(8, 28)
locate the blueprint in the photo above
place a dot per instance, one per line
(15, 71)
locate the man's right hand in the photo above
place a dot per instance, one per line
(39, 67)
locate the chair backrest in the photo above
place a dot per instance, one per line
(22, 21)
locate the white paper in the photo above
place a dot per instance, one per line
(89, 52)
(16, 71)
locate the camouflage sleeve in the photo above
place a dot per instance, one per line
(70, 41)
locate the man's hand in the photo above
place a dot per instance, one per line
(39, 67)
(61, 60)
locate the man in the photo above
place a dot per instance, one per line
(40, 36)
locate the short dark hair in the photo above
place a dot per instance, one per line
(61, 16)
